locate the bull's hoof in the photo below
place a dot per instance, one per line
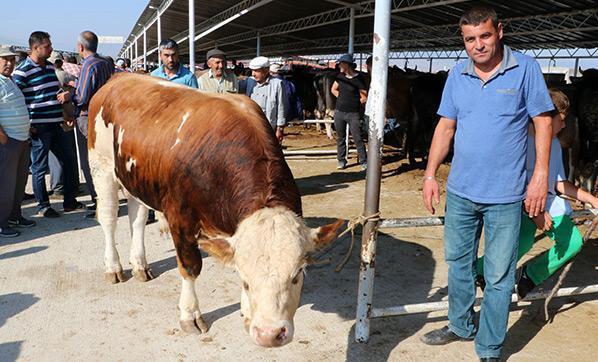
(143, 275)
(114, 277)
(197, 326)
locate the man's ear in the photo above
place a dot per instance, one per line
(324, 235)
(218, 248)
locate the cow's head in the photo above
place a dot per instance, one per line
(270, 250)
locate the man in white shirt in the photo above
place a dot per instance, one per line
(14, 148)
(268, 93)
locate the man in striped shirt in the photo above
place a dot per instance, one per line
(37, 80)
(95, 72)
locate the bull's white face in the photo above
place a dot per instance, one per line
(269, 251)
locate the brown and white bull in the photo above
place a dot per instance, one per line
(212, 165)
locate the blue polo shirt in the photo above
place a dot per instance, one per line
(492, 118)
(183, 76)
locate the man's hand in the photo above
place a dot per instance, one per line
(280, 133)
(543, 221)
(3, 138)
(63, 97)
(430, 192)
(535, 200)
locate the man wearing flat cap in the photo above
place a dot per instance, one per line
(268, 93)
(218, 79)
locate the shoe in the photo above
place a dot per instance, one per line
(8, 232)
(49, 213)
(364, 166)
(28, 196)
(480, 282)
(442, 336)
(77, 206)
(524, 285)
(21, 222)
(489, 359)
(341, 165)
(92, 207)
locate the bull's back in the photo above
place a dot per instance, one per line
(212, 157)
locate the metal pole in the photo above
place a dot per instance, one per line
(136, 54)
(258, 45)
(443, 305)
(144, 49)
(192, 36)
(576, 73)
(372, 185)
(351, 31)
(159, 25)
(430, 69)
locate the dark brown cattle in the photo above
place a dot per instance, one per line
(212, 165)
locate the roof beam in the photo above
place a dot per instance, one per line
(364, 9)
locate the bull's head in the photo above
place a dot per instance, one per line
(270, 251)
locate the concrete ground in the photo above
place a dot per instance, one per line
(55, 305)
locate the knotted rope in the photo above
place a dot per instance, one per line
(351, 225)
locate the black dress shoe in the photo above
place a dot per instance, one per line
(490, 359)
(439, 337)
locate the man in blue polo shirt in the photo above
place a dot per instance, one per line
(171, 69)
(486, 106)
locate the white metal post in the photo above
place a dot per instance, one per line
(136, 55)
(372, 192)
(192, 36)
(258, 45)
(576, 73)
(351, 31)
(159, 25)
(144, 48)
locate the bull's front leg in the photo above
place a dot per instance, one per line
(137, 219)
(189, 263)
(107, 213)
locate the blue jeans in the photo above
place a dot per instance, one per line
(462, 230)
(51, 137)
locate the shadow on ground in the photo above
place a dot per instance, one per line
(11, 305)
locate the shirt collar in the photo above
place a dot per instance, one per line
(177, 75)
(508, 62)
(266, 82)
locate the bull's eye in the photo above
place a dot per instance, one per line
(245, 286)
(296, 278)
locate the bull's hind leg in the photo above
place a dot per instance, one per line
(137, 219)
(189, 263)
(107, 213)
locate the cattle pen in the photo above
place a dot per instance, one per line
(399, 271)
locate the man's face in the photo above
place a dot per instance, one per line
(7, 65)
(170, 58)
(43, 49)
(482, 42)
(217, 65)
(260, 75)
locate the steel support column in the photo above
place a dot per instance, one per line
(159, 26)
(351, 47)
(258, 45)
(192, 35)
(369, 237)
(144, 48)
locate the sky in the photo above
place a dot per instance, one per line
(65, 19)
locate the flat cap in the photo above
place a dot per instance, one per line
(215, 53)
(259, 62)
(6, 51)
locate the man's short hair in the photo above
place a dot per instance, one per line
(560, 100)
(168, 44)
(89, 41)
(37, 37)
(477, 15)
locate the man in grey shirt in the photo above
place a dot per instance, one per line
(268, 93)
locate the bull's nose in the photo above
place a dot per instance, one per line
(271, 337)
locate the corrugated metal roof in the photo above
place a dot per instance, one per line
(310, 27)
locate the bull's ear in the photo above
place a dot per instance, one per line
(218, 248)
(324, 235)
